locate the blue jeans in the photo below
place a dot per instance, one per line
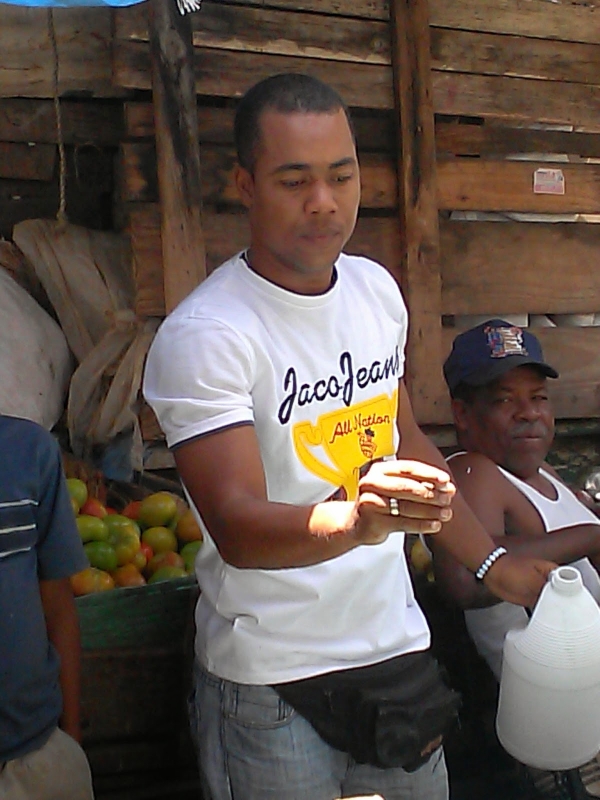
(252, 745)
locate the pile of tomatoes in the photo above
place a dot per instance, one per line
(150, 540)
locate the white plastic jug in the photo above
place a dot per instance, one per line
(549, 706)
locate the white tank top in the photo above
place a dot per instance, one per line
(488, 626)
(562, 512)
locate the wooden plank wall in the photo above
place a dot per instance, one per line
(509, 65)
(496, 67)
(92, 115)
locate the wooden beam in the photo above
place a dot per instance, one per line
(374, 130)
(418, 202)
(229, 73)
(516, 56)
(499, 140)
(575, 21)
(503, 268)
(479, 185)
(277, 31)
(522, 99)
(84, 38)
(178, 159)
(32, 120)
(293, 33)
(30, 162)
(362, 9)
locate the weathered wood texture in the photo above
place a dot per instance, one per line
(502, 65)
(476, 69)
(82, 122)
(418, 204)
(498, 141)
(518, 268)
(29, 162)
(88, 191)
(508, 186)
(576, 21)
(376, 132)
(178, 162)
(133, 715)
(472, 184)
(84, 38)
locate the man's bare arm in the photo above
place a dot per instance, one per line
(465, 539)
(491, 498)
(224, 475)
(63, 631)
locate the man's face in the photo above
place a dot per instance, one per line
(510, 421)
(302, 197)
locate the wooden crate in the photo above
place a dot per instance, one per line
(136, 671)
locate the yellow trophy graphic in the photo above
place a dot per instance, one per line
(348, 438)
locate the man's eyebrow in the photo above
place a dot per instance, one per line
(303, 167)
(291, 166)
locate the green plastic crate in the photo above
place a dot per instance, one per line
(156, 615)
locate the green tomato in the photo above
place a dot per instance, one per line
(91, 529)
(188, 553)
(78, 491)
(117, 523)
(167, 574)
(126, 544)
(101, 555)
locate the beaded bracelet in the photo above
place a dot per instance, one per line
(489, 562)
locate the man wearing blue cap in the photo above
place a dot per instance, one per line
(497, 379)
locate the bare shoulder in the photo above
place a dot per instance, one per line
(482, 484)
(475, 466)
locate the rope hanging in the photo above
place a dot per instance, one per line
(61, 215)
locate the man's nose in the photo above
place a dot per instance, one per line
(528, 410)
(321, 199)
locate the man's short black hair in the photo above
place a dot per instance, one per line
(286, 93)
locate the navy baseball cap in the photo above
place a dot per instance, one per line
(487, 351)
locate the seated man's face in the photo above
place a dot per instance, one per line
(510, 420)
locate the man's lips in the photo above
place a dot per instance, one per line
(531, 434)
(320, 235)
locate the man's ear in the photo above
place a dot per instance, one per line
(245, 185)
(460, 411)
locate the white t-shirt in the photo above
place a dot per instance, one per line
(317, 376)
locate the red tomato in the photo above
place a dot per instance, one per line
(93, 507)
(146, 550)
(132, 509)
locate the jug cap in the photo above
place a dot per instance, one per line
(566, 580)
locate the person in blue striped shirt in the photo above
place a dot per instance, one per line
(40, 548)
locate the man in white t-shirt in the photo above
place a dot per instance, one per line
(279, 385)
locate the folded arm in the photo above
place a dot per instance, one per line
(466, 540)
(513, 523)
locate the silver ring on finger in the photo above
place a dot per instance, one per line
(394, 507)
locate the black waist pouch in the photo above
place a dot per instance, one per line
(385, 714)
